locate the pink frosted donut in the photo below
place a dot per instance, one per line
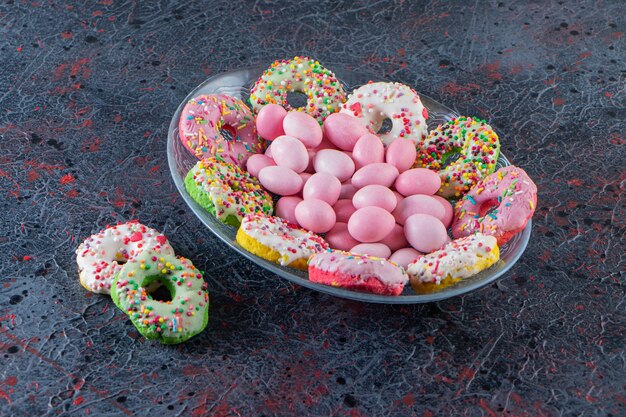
(499, 205)
(203, 120)
(357, 272)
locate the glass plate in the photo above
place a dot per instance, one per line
(238, 83)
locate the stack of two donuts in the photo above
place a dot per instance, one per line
(129, 261)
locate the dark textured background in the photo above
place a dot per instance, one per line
(87, 90)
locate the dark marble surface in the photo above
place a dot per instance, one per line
(87, 90)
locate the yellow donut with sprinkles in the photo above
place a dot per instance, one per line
(323, 90)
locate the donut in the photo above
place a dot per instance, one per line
(356, 272)
(301, 74)
(500, 205)
(101, 256)
(226, 191)
(277, 240)
(205, 117)
(375, 102)
(168, 322)
(457, 260)
(478, 145)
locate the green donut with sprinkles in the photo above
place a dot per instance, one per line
(169, 322)
(324, 91)
(477, 144)
(226, 191)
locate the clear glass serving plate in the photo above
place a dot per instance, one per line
(238, 83)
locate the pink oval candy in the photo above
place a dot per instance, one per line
(378, 173)
(343, 130)
(396, 239)
(399, 198)
(418, 181)
(286, 208)
(347, 190)
(372, 249)
(369, 149)
(315, 215)
(269, 121)
(447, 208)
(280, 180)
(289, 152)
(268, 151)
(401, 153)
(322, 186)
(343, 210)
(422, 204)
(425, 233)
(335, 163)
(370, 224)
(305, 177)
(339, 238)
(405, 256)
(304, 127)
(257, 162)
(375, 195)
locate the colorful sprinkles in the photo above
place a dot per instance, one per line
(478, 145)
(324, 92)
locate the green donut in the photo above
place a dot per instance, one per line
(226, 191)
(169, 322)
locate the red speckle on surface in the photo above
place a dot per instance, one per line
(408, 399)
(78, 400)
(117, 118)
(32, 176)
(80, 67)
(11, 381)
(67, 179)
(26, 258)
(558, 101)
(66, 35)
(91, 145)
(72, 193)
(585, 55)
(483, 404)
(457, 89)
(575, 181)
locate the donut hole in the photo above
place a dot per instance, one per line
(488, 207)
(159, 291)
(385, 126)
(296, 99)
(228, 132)
(449, 158)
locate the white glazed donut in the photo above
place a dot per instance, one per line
(101, 256)
(375, 102)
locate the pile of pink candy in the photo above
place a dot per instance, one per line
(338, 179)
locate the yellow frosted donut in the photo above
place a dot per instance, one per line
(276, 240)
(459, 259)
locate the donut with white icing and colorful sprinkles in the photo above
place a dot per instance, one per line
(277, 240)
(226, 191)
(457, 260)
(205, 118)
(323, 90)
(101, 256)
(500, 205)
(374, 102)
(477, 144)
(357, 272)
(168, 322)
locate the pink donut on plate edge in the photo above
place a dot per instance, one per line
(204, 116)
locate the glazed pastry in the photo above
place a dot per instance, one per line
(500, 205)
(169, 322)
(301, 74)
(203, 120)
(357, 272)
(375, 102)
(457, 260)
(478, 145)
(101, 256)
(226, 191)
(276, 240)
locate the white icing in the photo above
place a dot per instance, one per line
(460, 258)
(101, 256)
(290, 242)
(373, 103)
